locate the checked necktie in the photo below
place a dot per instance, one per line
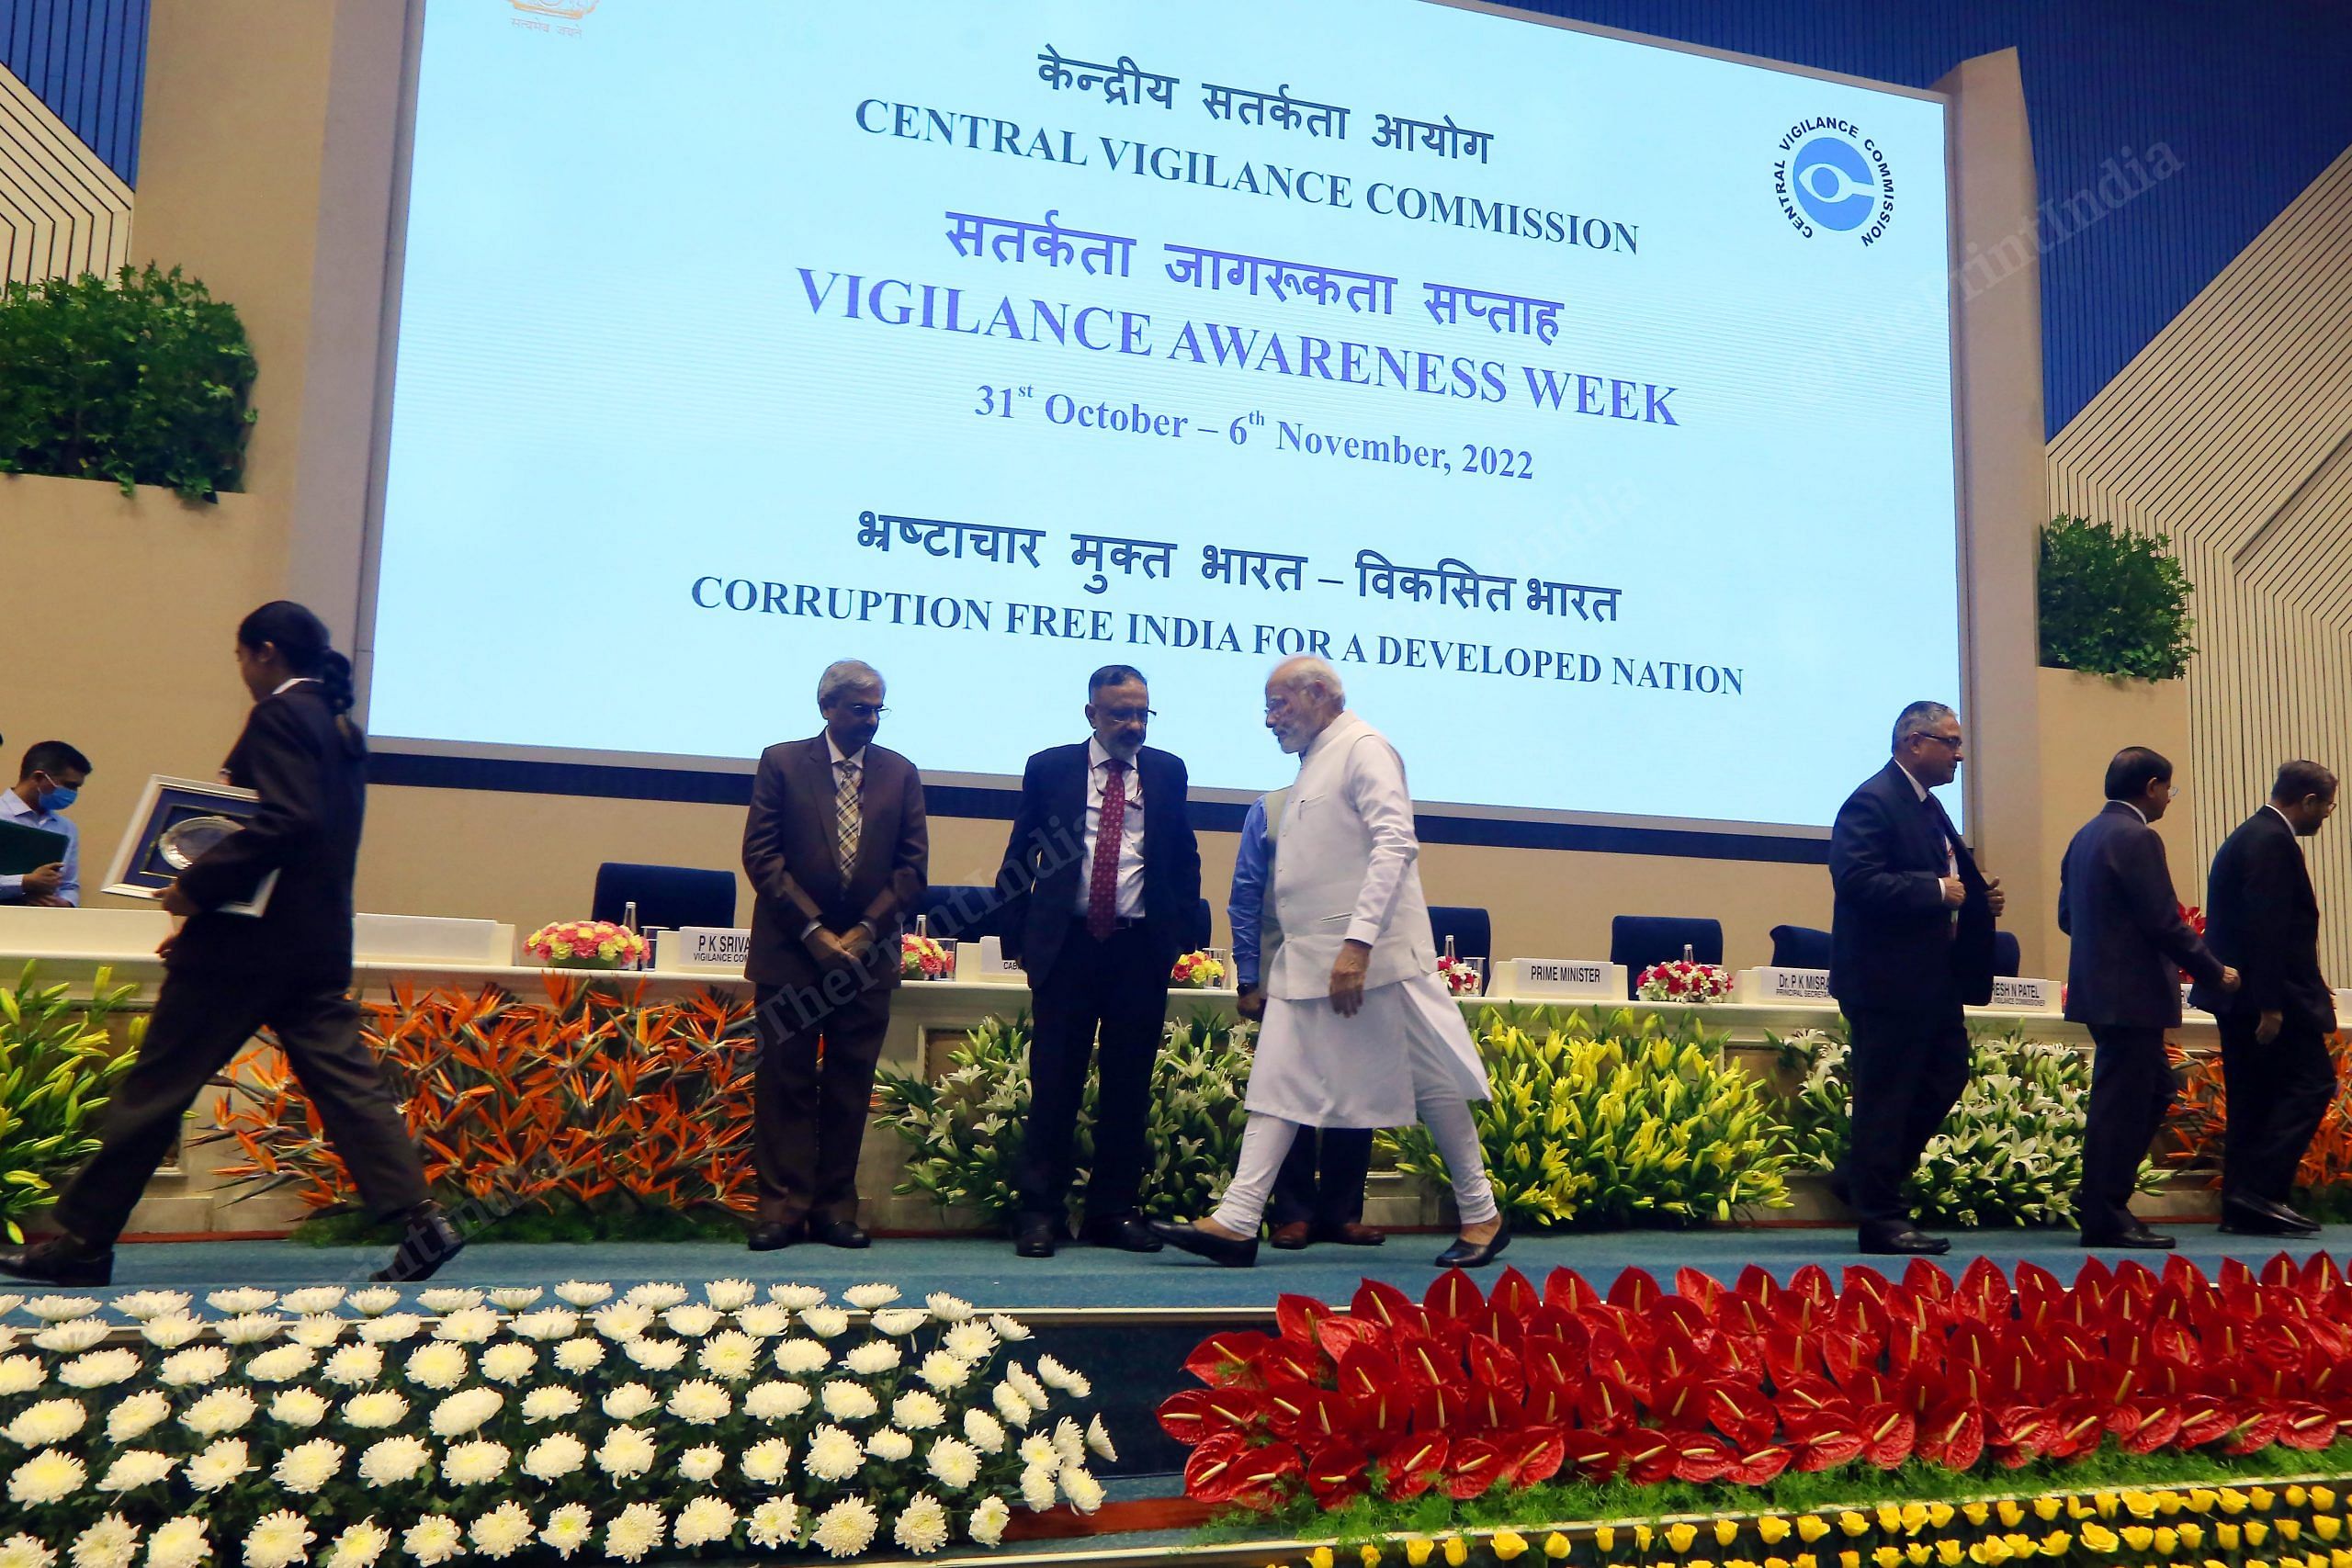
(846, 816)
(1102, 885)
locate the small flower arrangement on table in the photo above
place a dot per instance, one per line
(1461, 979)
(586, 944)
(923, 958)
(1680, 980)
(1198, 970)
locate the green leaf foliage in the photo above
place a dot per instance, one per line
(58, 1063)
(2113, 601)
(141, 379)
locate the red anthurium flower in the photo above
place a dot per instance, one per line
(1824, 1440)
(1379, 1416)
(2308, 1425)
(1703, 1291)
(1340, 1334)
(1608, 1405)
(1812, 1284)
(1568, 1290)
(1414, 1464)
(1535, 1456)
(1760, 1465)
(1741, 1414)
(1492, 1363)
(1453, 1295)
(1378, 1302)
(1197, 1414)
(1263, 1476)
(1338, 1472)
(1888, 1434)
(1635, 1291)
(2253, 1428)
(1305, 1414)
(1297, 1317)
(1952, 1438)
(1514, 1296)
(1647, 1456)
(1226, 1357)
(1286, 1361)
(1496, 1406)
(1476, 1464)
(1441, 1407)
(2143, 1428)
(1366, 1370)
(1209, 1474)
(1594, 1454)
(1701, 1457)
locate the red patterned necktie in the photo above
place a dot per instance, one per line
(1103, 886)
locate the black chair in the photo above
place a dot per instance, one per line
(665, 895)
(2006, 958)
(1639, 940)
(960, 911)
(1800, 947)
(1472, 931)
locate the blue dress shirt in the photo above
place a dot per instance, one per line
(14, 809)
(1245, 908)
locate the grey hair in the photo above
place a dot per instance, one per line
(1918, 719)
(841, 675)
(1295, 672)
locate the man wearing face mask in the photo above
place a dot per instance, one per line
(1102, 884)
(46, 785)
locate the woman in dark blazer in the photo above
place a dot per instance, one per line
(287, 969)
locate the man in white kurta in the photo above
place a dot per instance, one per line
(1359, 1030)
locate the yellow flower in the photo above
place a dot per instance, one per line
(2106, 1502)
(1370, 1554)
(2192, 1535)
(1890, 1517)
(2076, 1508)
(2020, 1545)
(2261, 1497)
(1557, 1545)
(1940, 1514)
(1915, 1517)
(2233, 1500)
(2009, 1511)
(2055, 1543)
(2256, 1532)
(2225, 1536)
(1811, 1529)
(2138, 1537)
(1849, 1560)
(1772, 1528)
(2046, 1508)
(1603, 1536)
(2295, 1496)
(1508, 1544)
(2139, 1504)
(1727, 1531)
(2201, 1500)
(2289, 1529)
(2325, 1526)
(2167, 1540)
(1320, 1558)
(2322, 1497)
(1776, 1562)
(2168, 1503)
(1948, 1552)
(1642, 1538)
(1919, 1553)
(1457, 1552)
(2097, 1537)
(1854, 1523)
(2340, 1558)
(1888, 1557)
(1679, 1536)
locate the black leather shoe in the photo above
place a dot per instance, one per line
(2295, 1217)
(430, 1241)
(60, 1260)
(2257, 1216)
(1352, 1232)
(1125, 1232)
(1227, 1252)
(772, 1235)
(1475, 1254)
(2143, 1238)
(1032, 1236)
(1900, 1241)
(838, 1233)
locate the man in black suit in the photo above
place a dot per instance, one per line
(836, 847)
(2262, 916)
(2115, 900)
(1911, 941)
(1102, 885)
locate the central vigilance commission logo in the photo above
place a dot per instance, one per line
(1831, 178)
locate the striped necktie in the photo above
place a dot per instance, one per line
(846, 816)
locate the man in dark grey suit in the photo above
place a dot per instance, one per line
(2262, 916)
(2115, 900)
(836, 847)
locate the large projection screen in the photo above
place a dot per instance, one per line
(1589, 401)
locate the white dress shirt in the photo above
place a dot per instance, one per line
(1130, 895)
(1952, 860)
(14, 809)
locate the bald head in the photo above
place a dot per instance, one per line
(1303, 696)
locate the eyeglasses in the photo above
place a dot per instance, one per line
(864, 710)
(1952, 741)
(1128, 715)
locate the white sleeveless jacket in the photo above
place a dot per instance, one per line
(1347, 866)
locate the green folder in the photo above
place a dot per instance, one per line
(24, 848)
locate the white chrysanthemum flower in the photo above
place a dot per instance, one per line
(774, 1524)
(476, 1464)
(547, 1323)
(372, 1301)
(22, 1374)
(392, 1328)
(796, 1298)
(449, 1299)
(889, 1445)
(825, 1323)
(433, 1538)
(50, 1421)
(438, 1366)
(60, 1309)
(1085, 1493)
(706, 1521)
(554, 1456)
(1063, 1377)
(241, 1300)
(730, 1295)
(108, 1541)
(549, 1403)
(917, 1411)
(655, 1355)
(582, 1355)
(22, 1551)
(298, 1407)
(503, 1532)
(1010, 1404)
(798, 1358)
(375, 1410)
(767, 1462)
(250, 1328)
(629, 1401)
(136, 1415)
(390, 1461)
(833, 1454)
(622, 1321)
(306, 1467)
(921, 1526)
(74, 1334)
(776, 1401)
(468, 1326)
(220, 1411)
(693, 1319)
(509, 1362)
(845, 1401)
(986, 1432)
(582, 1293)
(700, 1464)
(972, 1341)
(219, 1465)
(1008, 1329)
(625, 1452)
(954, 1463)
(1098, 1437)
(194, 1367)
(1069, 1441)
(50, 1476)
(899, 1322)
(1037, 1492)
(987, 1521)
(847, 1529)
(657, 1295)
(730, 1354)
(634, 1531)
(140, 1306)
(866, 1298)
(872, 1358)
(1038, 1448)
(178, 1543)
(465, 1411)
(700, 1404)
(99, 1369)
(569, 1528)
(281, 1363)
(358, 1546)
(171, 1331)
(1031, 1389)
(317, 1330)
(763, 1320)
(135, 1468)
(312, 1299)
(947, 1308)
(278, 1541)
(354, 1365)
(515, 1298)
